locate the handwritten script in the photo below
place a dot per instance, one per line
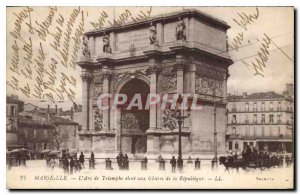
(44, 45)
(244, 21)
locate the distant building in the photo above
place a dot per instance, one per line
(13, 107)
(74, 114)
(289, 90)
(35, 132)
(263, 120)
(42, 129)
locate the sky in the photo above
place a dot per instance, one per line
(276, 22)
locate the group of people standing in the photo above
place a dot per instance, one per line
(179, 163)
(123, 162)
(74, 165)
(69, 166)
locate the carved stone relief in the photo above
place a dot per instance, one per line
(98, 120)
(117, 77)
(98, 78)
(129, 121)
(168, 81)
(209, 81)
(169, 119)
(208, 86)
(98, 89)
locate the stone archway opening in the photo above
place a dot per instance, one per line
(134, 118)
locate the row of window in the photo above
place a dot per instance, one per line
(45, 146)
(236, 145)
(258, 132)
(263, 119)
(262, 108)
(11, 111)
(44, 133)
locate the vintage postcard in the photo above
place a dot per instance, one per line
(150, 98)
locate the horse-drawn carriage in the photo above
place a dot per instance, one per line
(253, 160)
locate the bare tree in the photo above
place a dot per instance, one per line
(60, 136)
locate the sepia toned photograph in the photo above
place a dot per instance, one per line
(150, 97)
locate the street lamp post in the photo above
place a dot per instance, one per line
(180, 121)
(281, 136)
(180, 118)
(215, 159)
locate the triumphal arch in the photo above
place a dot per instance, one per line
(178, 53)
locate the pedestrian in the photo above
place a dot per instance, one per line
(81, 159)
(66, 165)
(108, 164)
(197, 164)
(78, 165)
(92, 156)
(173, 164)
(144, 163)
(75, 165)
(72, 164)
(122, 161)
(126, 162)
(48, 158)
(119, 161)
(179, 163)
(18, 157)
(145, 159)
(52, 163)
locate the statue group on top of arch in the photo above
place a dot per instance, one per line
(180, 34)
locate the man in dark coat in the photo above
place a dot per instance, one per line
(173, 163)
(92, 156)
(81, 159)
(179, 163)
(119, 161)
(122, 161)
(66, 165)
(72, 164)
(77, 165)
(126, 162)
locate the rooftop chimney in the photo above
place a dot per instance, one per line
(14, 97)
(74, 106)
(48, 113)
(72, 117)
(60, 110)
(56, 112)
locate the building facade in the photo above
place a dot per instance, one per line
(261, 120)
(43, 129)
(184, 52)
(13, 107)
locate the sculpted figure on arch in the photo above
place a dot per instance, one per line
(180, 30)
(106, 44)
(85, 48)
(153, 35)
